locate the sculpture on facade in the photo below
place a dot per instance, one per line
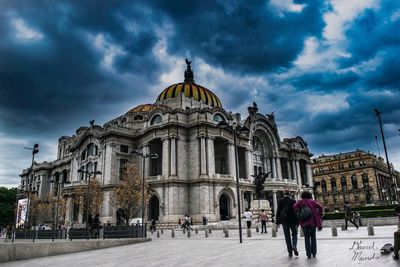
(254, 109)
(189, 76)
(259, 181)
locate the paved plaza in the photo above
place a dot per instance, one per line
(349, 248)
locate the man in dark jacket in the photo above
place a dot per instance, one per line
(348, 215)
(286, 216)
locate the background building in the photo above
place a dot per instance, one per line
(358, 177)
(195, 171)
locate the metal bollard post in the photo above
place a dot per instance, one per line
(334, 231)
(226, 233)
(398, 225)
(209, 230)
(162, 231)
(257, 229)
(151, 231)
(184, 231)
(158, 234)
(396, 245)
(206, 233)
(273, 231)
(370, 229)
(189, 234)
(172, 233)
(196, 231)
(248, 232)
(343, 227)
(301, 233)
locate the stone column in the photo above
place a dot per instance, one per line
(69, 209)
(210, 157)
(165, 158)
(203, 165)
(248, 164)
(268, 165)
(173, 156)
(274, 173)
(308, 173)
(231, 160)
(298, 173)
(278, 168)
(294, 172)
(289, 167)
(275, 202)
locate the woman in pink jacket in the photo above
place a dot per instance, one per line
(310, 224)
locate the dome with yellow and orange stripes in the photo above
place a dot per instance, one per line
(190, 90)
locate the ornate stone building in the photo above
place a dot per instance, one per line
(358, 177)
(195, 170)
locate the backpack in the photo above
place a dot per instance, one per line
(304, 213)
(284, 212)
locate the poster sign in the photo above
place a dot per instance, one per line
(21, 212)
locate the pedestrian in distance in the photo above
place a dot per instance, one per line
(286, 216)
(309, 213)
(348, 215)
(263, 219)
(248, 216)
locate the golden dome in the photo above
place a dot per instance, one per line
(146, 108)
(191, 90)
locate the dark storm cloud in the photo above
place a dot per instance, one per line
(325, 80)
(241, 35)
(49, 81)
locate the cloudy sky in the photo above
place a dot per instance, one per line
(322, 66)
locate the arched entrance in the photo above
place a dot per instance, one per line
(224, 207)
(154, 205)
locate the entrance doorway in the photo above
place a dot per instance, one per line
(224, 207)
(154, 208)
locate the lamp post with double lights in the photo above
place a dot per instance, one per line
(144, 156)
(236, 129)
(88, 173)
(29, 181)
(60, 183)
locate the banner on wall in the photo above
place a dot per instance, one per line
(21, 212)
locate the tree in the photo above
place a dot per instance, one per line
(128, 194)
(7, 205)
(95, 195)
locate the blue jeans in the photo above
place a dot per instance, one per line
(290, 243)
(310, 240)
(263, 226)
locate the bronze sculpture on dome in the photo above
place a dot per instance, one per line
(189, 76)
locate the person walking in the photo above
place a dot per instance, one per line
(287, 217)
(309, 213)
(348, 215)
(248, 216)
(263, 218)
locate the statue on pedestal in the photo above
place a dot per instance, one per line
(259, 181)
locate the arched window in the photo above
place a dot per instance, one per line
(365, 181)
(83, 154)
(333, 185)
(218, 118)
(92, 150)
(323, 187)
(343, 184)
(156, 120)
(354, 184)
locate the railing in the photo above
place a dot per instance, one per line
(104, 232)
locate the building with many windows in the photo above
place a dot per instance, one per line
(359, 177)
(195, 169)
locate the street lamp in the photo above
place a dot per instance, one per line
(236, 129)
(29, 181)
(378, 114)
(144, 156)
(60, 183)
(88, 173)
